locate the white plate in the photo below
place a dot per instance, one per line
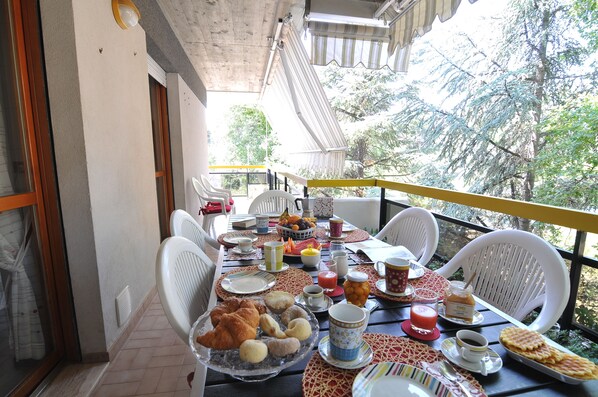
(392, 379)
(233, 237)
(262, 266)
(320, 309)
(381, 285)
(478, 317)
(449, 349)
(364, 357)
(341, 237)
(237, 251)
(543, 368)
(248, 282)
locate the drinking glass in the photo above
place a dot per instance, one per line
(424, 311)
(327, 276)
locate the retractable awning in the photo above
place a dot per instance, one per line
(297, 107)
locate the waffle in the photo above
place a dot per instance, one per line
(573, 365)
(555, 356)
(521, 339)
(541, 354)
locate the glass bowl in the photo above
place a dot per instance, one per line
(228, 361)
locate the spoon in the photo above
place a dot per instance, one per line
(451, 374)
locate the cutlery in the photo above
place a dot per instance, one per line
(451, 374)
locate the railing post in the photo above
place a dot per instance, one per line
(383, 211)
(305, 193)
(574, 278)
(286, 184)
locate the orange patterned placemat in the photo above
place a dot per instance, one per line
(352, 237)
(261, 238)
(323, 380)
(430, 279)
(292, 280)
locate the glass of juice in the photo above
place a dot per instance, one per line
(424, 311)
(327, 276)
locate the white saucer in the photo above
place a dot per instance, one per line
(319, 309)
(478, 317)
(370, 305)
(262, 267)
(381, 285)
(449, 349)
(341, 237)
(237, 251)
(262, 234)
(364, 356)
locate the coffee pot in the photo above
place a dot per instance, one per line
(305, 203)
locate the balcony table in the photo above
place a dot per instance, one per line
(513, 379)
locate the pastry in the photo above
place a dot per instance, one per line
(283, 347)
(253, 351)
(233, 328)
(292, 313)
(270, 327)
(279, 301)
(299, 328)
(233, 304)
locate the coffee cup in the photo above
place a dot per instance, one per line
(342, 262)
(262, 223)
(336, 227)
(273, 251)
(313, 295)
(396, 273)
(472, 346)
(245, 244)
(347, 323)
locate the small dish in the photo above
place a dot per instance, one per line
(319, 309)
(237, 251)
(262, 234)
(381, 285)
(248, 282)
(449, 349)
(346, 227)
(478, 317)
(233, 237)
(341, 237)
(262, 267)
(364, 356)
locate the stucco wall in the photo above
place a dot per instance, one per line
(100, 112)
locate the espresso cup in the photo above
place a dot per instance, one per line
(245, 244)
(347, 323)
(342, 262)
(313, 295)
(396, 273)
(262, 223)
(273, 251)
(471, 345)
(336, 227)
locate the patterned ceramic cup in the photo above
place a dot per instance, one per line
(396, 273)
(347, 323)
(262, 223)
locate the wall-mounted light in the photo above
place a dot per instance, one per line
(125, 13)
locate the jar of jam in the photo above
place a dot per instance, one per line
(357, 288)
(458, 301)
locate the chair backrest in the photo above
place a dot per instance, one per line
(199, 190)
(184, 275)
(516, 272)
(415, 229)
(273, 201)
(182, 224)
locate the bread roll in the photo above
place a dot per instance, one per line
(283, 347)
(279, 301)
(299, 328)
(270, 327)
(253, 351)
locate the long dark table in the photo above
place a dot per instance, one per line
(513, 379)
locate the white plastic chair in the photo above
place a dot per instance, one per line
(211, 206)
(415, 229)
(273, 201)
(184, 275)
(516, 272)
(217, 192)
(182, 224)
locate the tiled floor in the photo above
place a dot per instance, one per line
(153, 362)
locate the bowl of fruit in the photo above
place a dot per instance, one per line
(295, 227)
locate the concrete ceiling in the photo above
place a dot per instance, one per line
(228, 41)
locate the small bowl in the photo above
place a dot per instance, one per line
(310, 257)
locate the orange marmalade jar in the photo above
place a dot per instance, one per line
(357, 288)
(458, 301)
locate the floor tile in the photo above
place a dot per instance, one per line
(130, 375)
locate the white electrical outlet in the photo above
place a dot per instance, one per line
(123, 306)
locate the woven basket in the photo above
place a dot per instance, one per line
(295, 234)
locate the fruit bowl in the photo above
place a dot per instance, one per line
(295, 234)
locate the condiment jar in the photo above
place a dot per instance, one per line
(458, 301)
(357, 288)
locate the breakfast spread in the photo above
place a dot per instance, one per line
(531, 344)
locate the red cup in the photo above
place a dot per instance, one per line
(336, 227)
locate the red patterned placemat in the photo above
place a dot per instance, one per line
(323, 380)
(430, 279)
(261, 238)
(292, 280)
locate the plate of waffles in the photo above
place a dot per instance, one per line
(532, 349)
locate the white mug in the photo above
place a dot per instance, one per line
(471, 345)
(342, 262)
(245, 244)
(273, 251)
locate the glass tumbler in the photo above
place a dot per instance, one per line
(327, 276)
(424, 311)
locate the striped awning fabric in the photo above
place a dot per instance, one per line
(415, 17)
(352, 45)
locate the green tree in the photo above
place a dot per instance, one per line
(249, 136)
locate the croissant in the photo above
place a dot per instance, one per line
(232, 329)
(231, 305)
